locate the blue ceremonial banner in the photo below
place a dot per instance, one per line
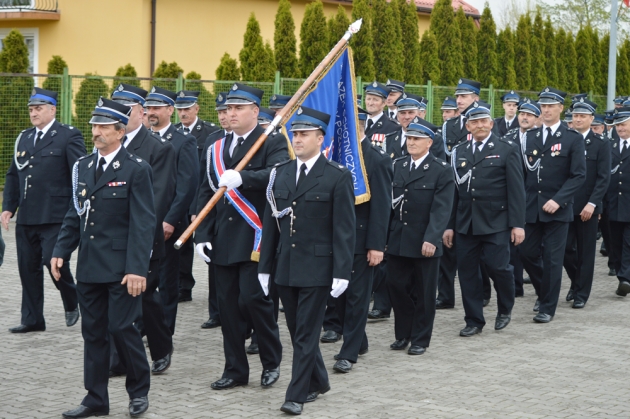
(336, 94)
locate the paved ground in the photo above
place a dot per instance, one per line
(576, 366)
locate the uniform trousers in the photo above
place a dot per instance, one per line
(517, 264)
(304, 311)
(186, 278)
(579, 256)
(332, 320)
(240, 298)
(379, 286)
(213, 304)
(605, 227)
(620, 246)
(448, 270)
(544, 245)
(352, 308)
(493, 250)
(109, 308)
(169, 276)
(35, 245)
(414, 314)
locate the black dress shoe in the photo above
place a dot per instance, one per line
(612, 272)
(377, 315)
(83, 412)
(24, 328)
(161, 365)
(330, 336)
(486, 302)
(519, 294)
(440, 305)
(281, 309)
(623, 289)
(269, 377)
(416, 350)
(399, 345)
(225, 383)
(113, 373)
(502, 321)
(252, 349)
(603, 250)
(138, 406)
(211, 324)
(184, 297)
(537, 305)
(543, 318)
(570, 295)
(578, 304)
(363, 351)
(343, 365)
(469, 331)
(292, 408)
(527, 280)
(72, 317)
(314, 394)
(599, 235)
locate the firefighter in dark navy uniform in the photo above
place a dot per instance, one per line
(39, 184)
(112, 222)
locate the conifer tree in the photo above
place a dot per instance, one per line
(603, 65)
(167, 71)
(227, 69)
(551, 59)
(571, 67)
(584, 54)
(506, 77)
(487, 47)
(126, 71)
(14, 54)
(253, 56)
(596, 67)
(313, 40)
(206, 103)
(429, 58)
(469, 43)
(388, 53)
(284, 41)
(56, 65)
(623, 69)
(362, 41)
(337, 26)
(90, 90)
(523, 60)
(448, 37)
(561, 39)
(411, 42)
(539, 77)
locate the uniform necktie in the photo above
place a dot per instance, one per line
(478, 145)
(507, 124)
(625, 146)
(99, 168)
(391, 114)
(369, 124)
(302, 175)
(186, 130)
(38, 137)
(549, 135)
(414, 166)
(240, 141)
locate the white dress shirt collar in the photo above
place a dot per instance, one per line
(108, 158)
(309, 165)
(131, 135)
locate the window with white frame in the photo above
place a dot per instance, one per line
(31, 38)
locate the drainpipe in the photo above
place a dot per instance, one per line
(153, 13)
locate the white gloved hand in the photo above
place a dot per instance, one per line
(338, 287)
(200, 248)
(264, 282)
(231, 179)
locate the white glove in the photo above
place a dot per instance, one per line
(200, 248)
(231, 179)
(338, 287)
(264, 282)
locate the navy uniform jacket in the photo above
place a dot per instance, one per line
(117, 237)
(320, 245)
(560, 176)
(383, 125)
(43, 189)
(231, 237)
(424, 210)
(618, 196)
(187, 174)
(200, 131)
(494, 200)
(500, 128)
(395, 151)
(453, 134)
(372, 217)
(597, 173)
(204, 188)
(161, 156)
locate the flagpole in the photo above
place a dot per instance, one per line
(281, 118)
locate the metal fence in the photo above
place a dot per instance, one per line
(79, 94)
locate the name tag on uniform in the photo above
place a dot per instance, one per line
(110, 184)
